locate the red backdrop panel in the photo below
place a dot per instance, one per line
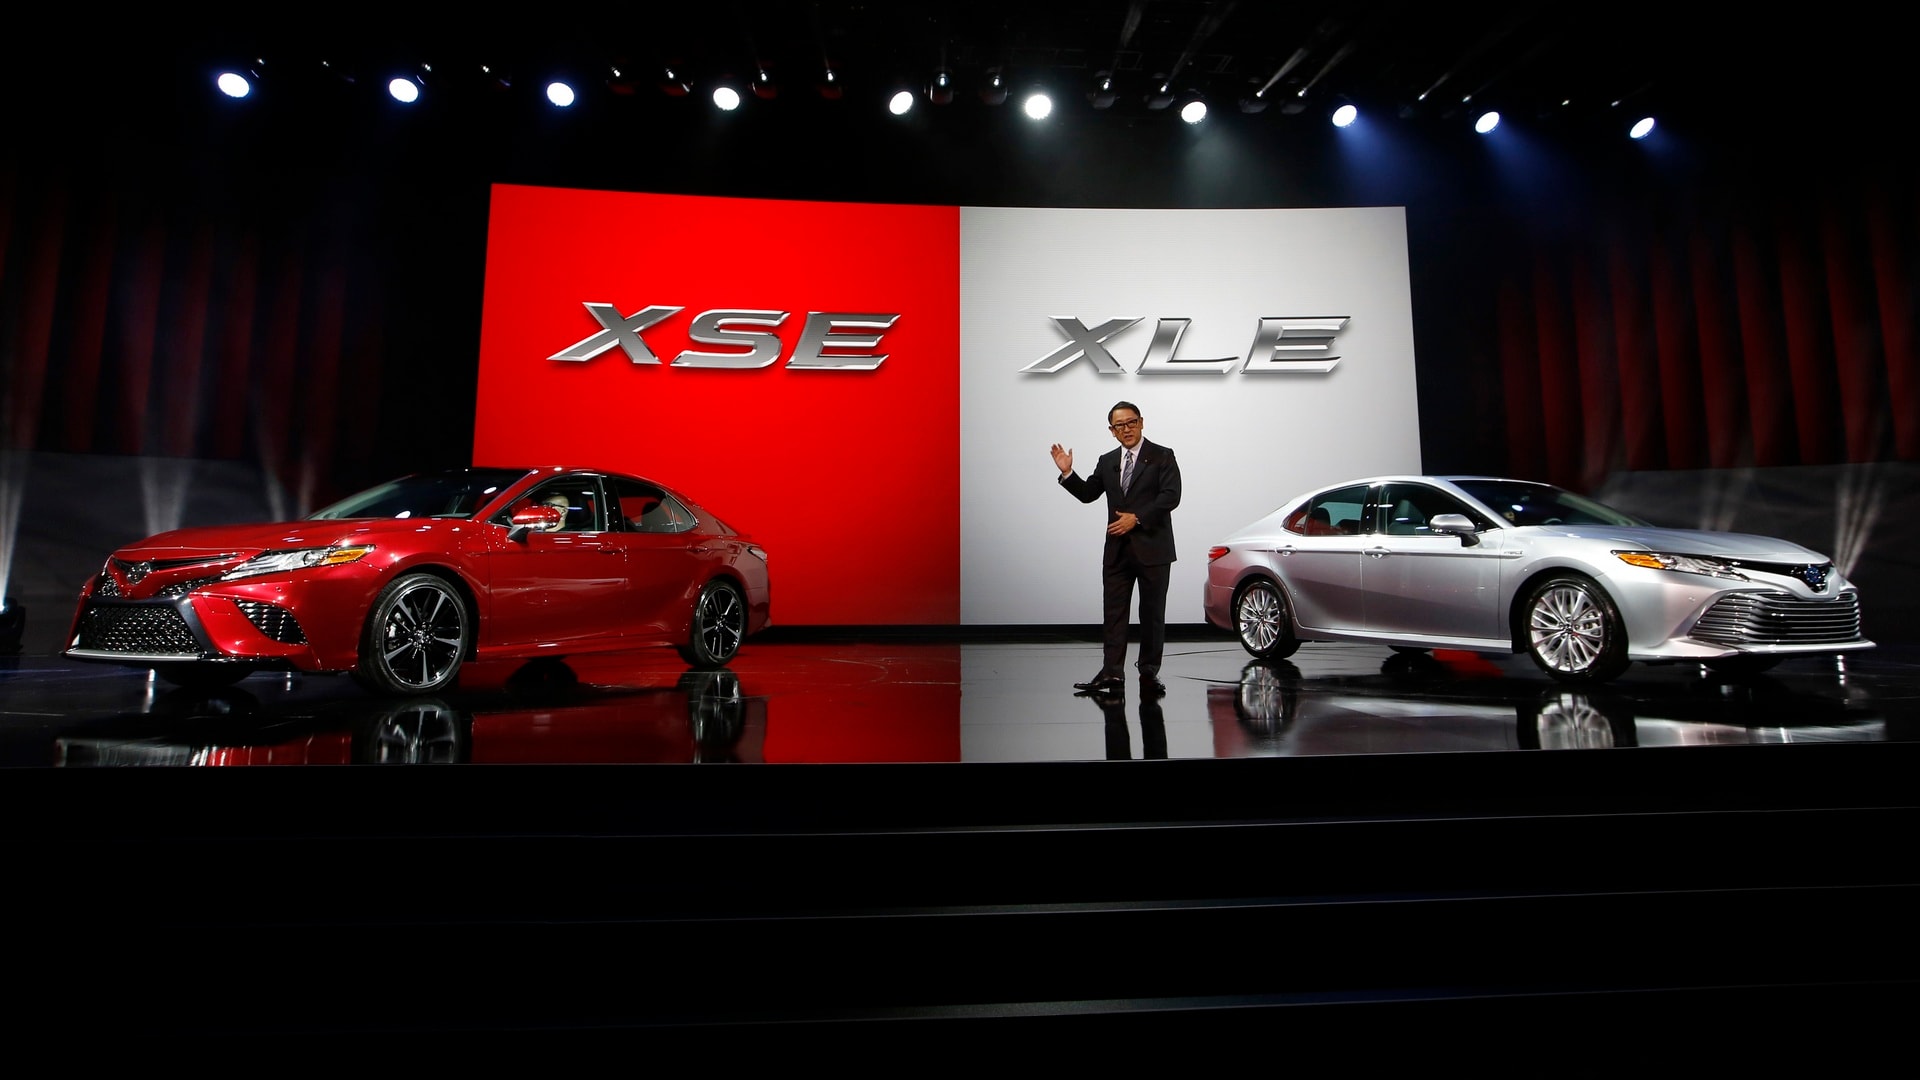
(851, 479)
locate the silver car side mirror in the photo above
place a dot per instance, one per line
(1455, 525)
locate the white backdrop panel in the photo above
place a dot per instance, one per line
(1030, 553)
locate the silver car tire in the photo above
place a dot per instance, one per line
(416, 637)
(1261, 621)
(1573, 631)
(719, 625)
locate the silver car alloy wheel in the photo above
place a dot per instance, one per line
(1258, 615)
(1568, 628)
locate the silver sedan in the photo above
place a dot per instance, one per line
(1497, 565)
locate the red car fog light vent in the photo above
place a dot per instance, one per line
(276, 622)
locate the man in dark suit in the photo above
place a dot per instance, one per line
(1141, 481)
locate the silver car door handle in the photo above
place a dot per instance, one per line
(1378, 553)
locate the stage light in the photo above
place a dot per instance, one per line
(901, 103)
(560, 94)
(13, 625)
(674, 84)
(1194, 111)
(829, 85)
(233, 84)
(1102, 95)
(619, 82)
(763, 87)
(726, 97)
(1487, 122)
(994, 90)
(405, 91)
(1037, 106)
(1254, 102)
(1161, 95)
(1641, 129)
(940, 90)
(1345, 115)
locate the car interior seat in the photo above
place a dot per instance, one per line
(1407, 520)
(637, 512)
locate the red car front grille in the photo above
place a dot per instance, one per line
(147, 629)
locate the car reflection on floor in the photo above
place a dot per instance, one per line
(1275, 710)
(544, 717)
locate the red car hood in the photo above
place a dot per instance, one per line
(208, 541)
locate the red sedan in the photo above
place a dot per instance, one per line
(402, 583)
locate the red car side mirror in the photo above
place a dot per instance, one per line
(539, 517)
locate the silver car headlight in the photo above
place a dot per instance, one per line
(1683, 564)
(280, 562)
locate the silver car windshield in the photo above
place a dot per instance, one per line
(455, 493)
(1542, 504)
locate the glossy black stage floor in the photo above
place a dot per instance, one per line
(1325, 856)
(860, 700)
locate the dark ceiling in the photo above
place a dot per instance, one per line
(1432, 60)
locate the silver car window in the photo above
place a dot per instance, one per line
(1404, 509)
(1330, 513)
(1522, 503)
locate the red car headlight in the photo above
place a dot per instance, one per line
(280, 562)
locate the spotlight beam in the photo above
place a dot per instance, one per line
(1203, 30)
(1299, 55)
(1128, 26)
(1332, 62)
(1484, 46)
(13, 489)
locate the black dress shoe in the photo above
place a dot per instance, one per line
(1102, 684)
(1151, 686)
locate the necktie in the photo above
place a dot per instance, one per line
(1126, 472)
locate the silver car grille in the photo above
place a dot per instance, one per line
(1777, 618)
(147, 629)
(1815, 575)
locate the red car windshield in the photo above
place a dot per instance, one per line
(454, 493)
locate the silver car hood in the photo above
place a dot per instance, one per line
(1680, 541)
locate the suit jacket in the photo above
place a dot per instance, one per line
(1151, 497)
